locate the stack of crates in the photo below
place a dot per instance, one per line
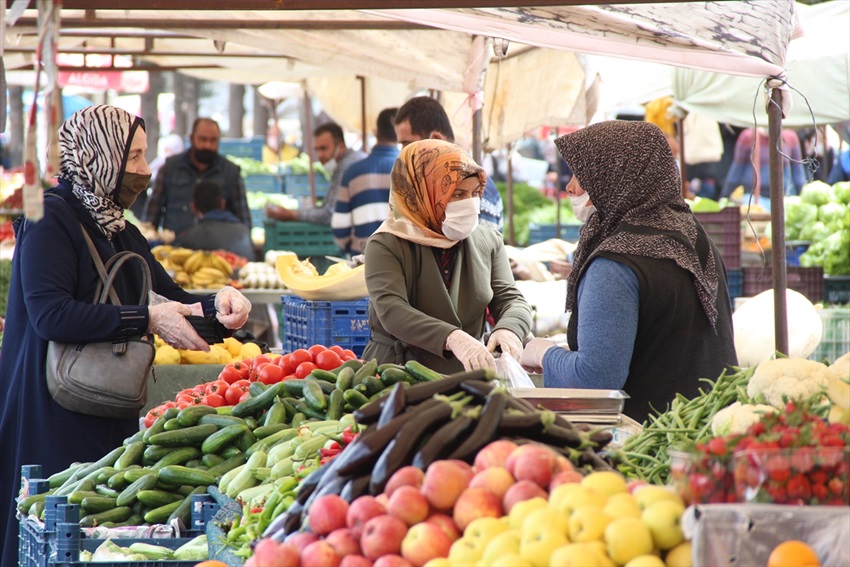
(807, 281)
(542, 232)
(251, 148)
(306, 323)
(299, 185)
(264, 183)
(305, 239)
(724, 229)
(836, 335)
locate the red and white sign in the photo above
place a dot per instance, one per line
(122, 81)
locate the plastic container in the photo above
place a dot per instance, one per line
(836, 289)
(304, 238)
(263, 182)
(808, 281)
(800, 476)
(306, 323)
(735, 284)
(251, 148)
(542, 232)
(724, 228)
(836, 334)
(793, 250)
(258, 217)
(299, 185)
(700, 479)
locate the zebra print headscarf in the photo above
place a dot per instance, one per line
(630, 173)
(94, 143)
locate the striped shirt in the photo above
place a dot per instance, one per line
(363, 200)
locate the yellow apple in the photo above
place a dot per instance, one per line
(622, 505)
(601, 553)
(680, 556)
(664, 520)
(648, 494)
(574, 555)
(582, 496)
(645, 561)
(609, 482)
(560, 492)
(521, 510)
(485, 529)
(627, 538)
(512, 560)
(505, 543)
(465, 552)
(545, 517)
(588, 523)
(439, 562)
(537, 545)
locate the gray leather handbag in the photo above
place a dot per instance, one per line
(107, 379)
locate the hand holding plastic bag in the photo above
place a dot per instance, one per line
(168, 320)
(232, 308)
(507, 341)
(508, 367)
(469, 350)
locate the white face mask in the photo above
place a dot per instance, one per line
(580, 208)
(461, 218)
(331, 164)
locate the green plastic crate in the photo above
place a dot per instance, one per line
(304, 238)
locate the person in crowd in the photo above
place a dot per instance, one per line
(171, 146)
(423, 117)
(432, 271)
(169, 204)
(841, 168)
(741, 171)
(365, 191)
(817, 156)
(650, 310)
(102, 171)
(217, 227)
(330, 148)
(276, 150)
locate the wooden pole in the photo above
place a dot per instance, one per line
(364, 130)
(509, 193)
(308, 143)
(777, 224)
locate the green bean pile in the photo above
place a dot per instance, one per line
(644, 455)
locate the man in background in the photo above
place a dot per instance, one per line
(169, 204)
(363, 201)
(330, 148)
(421, 118)
(217, 227)
(171, 146)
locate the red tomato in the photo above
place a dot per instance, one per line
(189, 391)
(216, 387)
(298, 356)
(338, 349)
(245, 395)
(152, 415)
(316, 349)
(181, 405)
(304, 369)
(230, 374)
(200, 389)
(214, 400)
(232, 395)
(285, 362)
(261, 359)
(168, 404)
(349, 354)
(328, 360)
(241, 384)
(290, 377)
(271, 374)
(187, 398)
(255, 372)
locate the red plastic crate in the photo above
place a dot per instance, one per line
(808, 281)
(724, 228)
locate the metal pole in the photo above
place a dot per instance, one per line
(777, 224)
(308, 144)
(509, 193)
(363, 128)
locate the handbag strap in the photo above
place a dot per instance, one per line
(108, 273)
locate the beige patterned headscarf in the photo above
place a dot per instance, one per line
(630, 173)
(424, 178)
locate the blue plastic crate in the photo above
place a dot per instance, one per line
(793, 251)
(542, 232)
(343, 323)
(258, 217)
(735, 284)
(242, 147)
(263, 182)
(299, 185)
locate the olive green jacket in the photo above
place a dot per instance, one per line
(411, 313)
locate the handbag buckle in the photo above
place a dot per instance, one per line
(119, 348)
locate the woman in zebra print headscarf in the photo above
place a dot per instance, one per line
(102, 170)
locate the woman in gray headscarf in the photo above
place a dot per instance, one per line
(102, 171)
(650, 307)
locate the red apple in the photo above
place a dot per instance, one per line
(495, 479)
(564, 477)
(445, 523)
(300, 540)
(355, 561)
(444, 481)
(536, 464)
(522, 490)
(465, 466)
(392, 560)
(408, 505)
(634, 484)
(494, 454)
(319, 554)
(382, 535)
(382, 499)
(563, 464)
(363, 509)
(423, 543)
(343, 542)
(405, 476)
(327, 514)
(476, 503)
(271, 553)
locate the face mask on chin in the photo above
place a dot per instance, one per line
(331, 164)
(461, 218)
(132, 184)
(580, 208)
(205, 157)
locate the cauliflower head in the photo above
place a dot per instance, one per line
(794, 378)
(738, 418)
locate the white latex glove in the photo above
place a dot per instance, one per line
(506, 339)
(357, 260)
(231, 307)
(532, 356)
(168, 320)
(469, 350)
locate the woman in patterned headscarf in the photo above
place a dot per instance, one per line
(432, 272)
(650, 308)
(102, 170)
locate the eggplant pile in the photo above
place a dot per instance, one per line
(452, 418)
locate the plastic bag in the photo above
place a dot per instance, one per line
(508, 368)
(157, 299)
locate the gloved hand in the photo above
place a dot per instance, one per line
(357, 260)
(232, 308)
(469, 350)
(168, 320)
(532, 356)
(506, 339)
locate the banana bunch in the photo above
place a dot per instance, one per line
(198, 269)
(201, 259)
(172, 258)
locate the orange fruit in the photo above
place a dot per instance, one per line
(211, 563)
(793, 553)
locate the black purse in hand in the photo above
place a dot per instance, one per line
(108, 379)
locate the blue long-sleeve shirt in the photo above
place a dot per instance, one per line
(608, 300)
